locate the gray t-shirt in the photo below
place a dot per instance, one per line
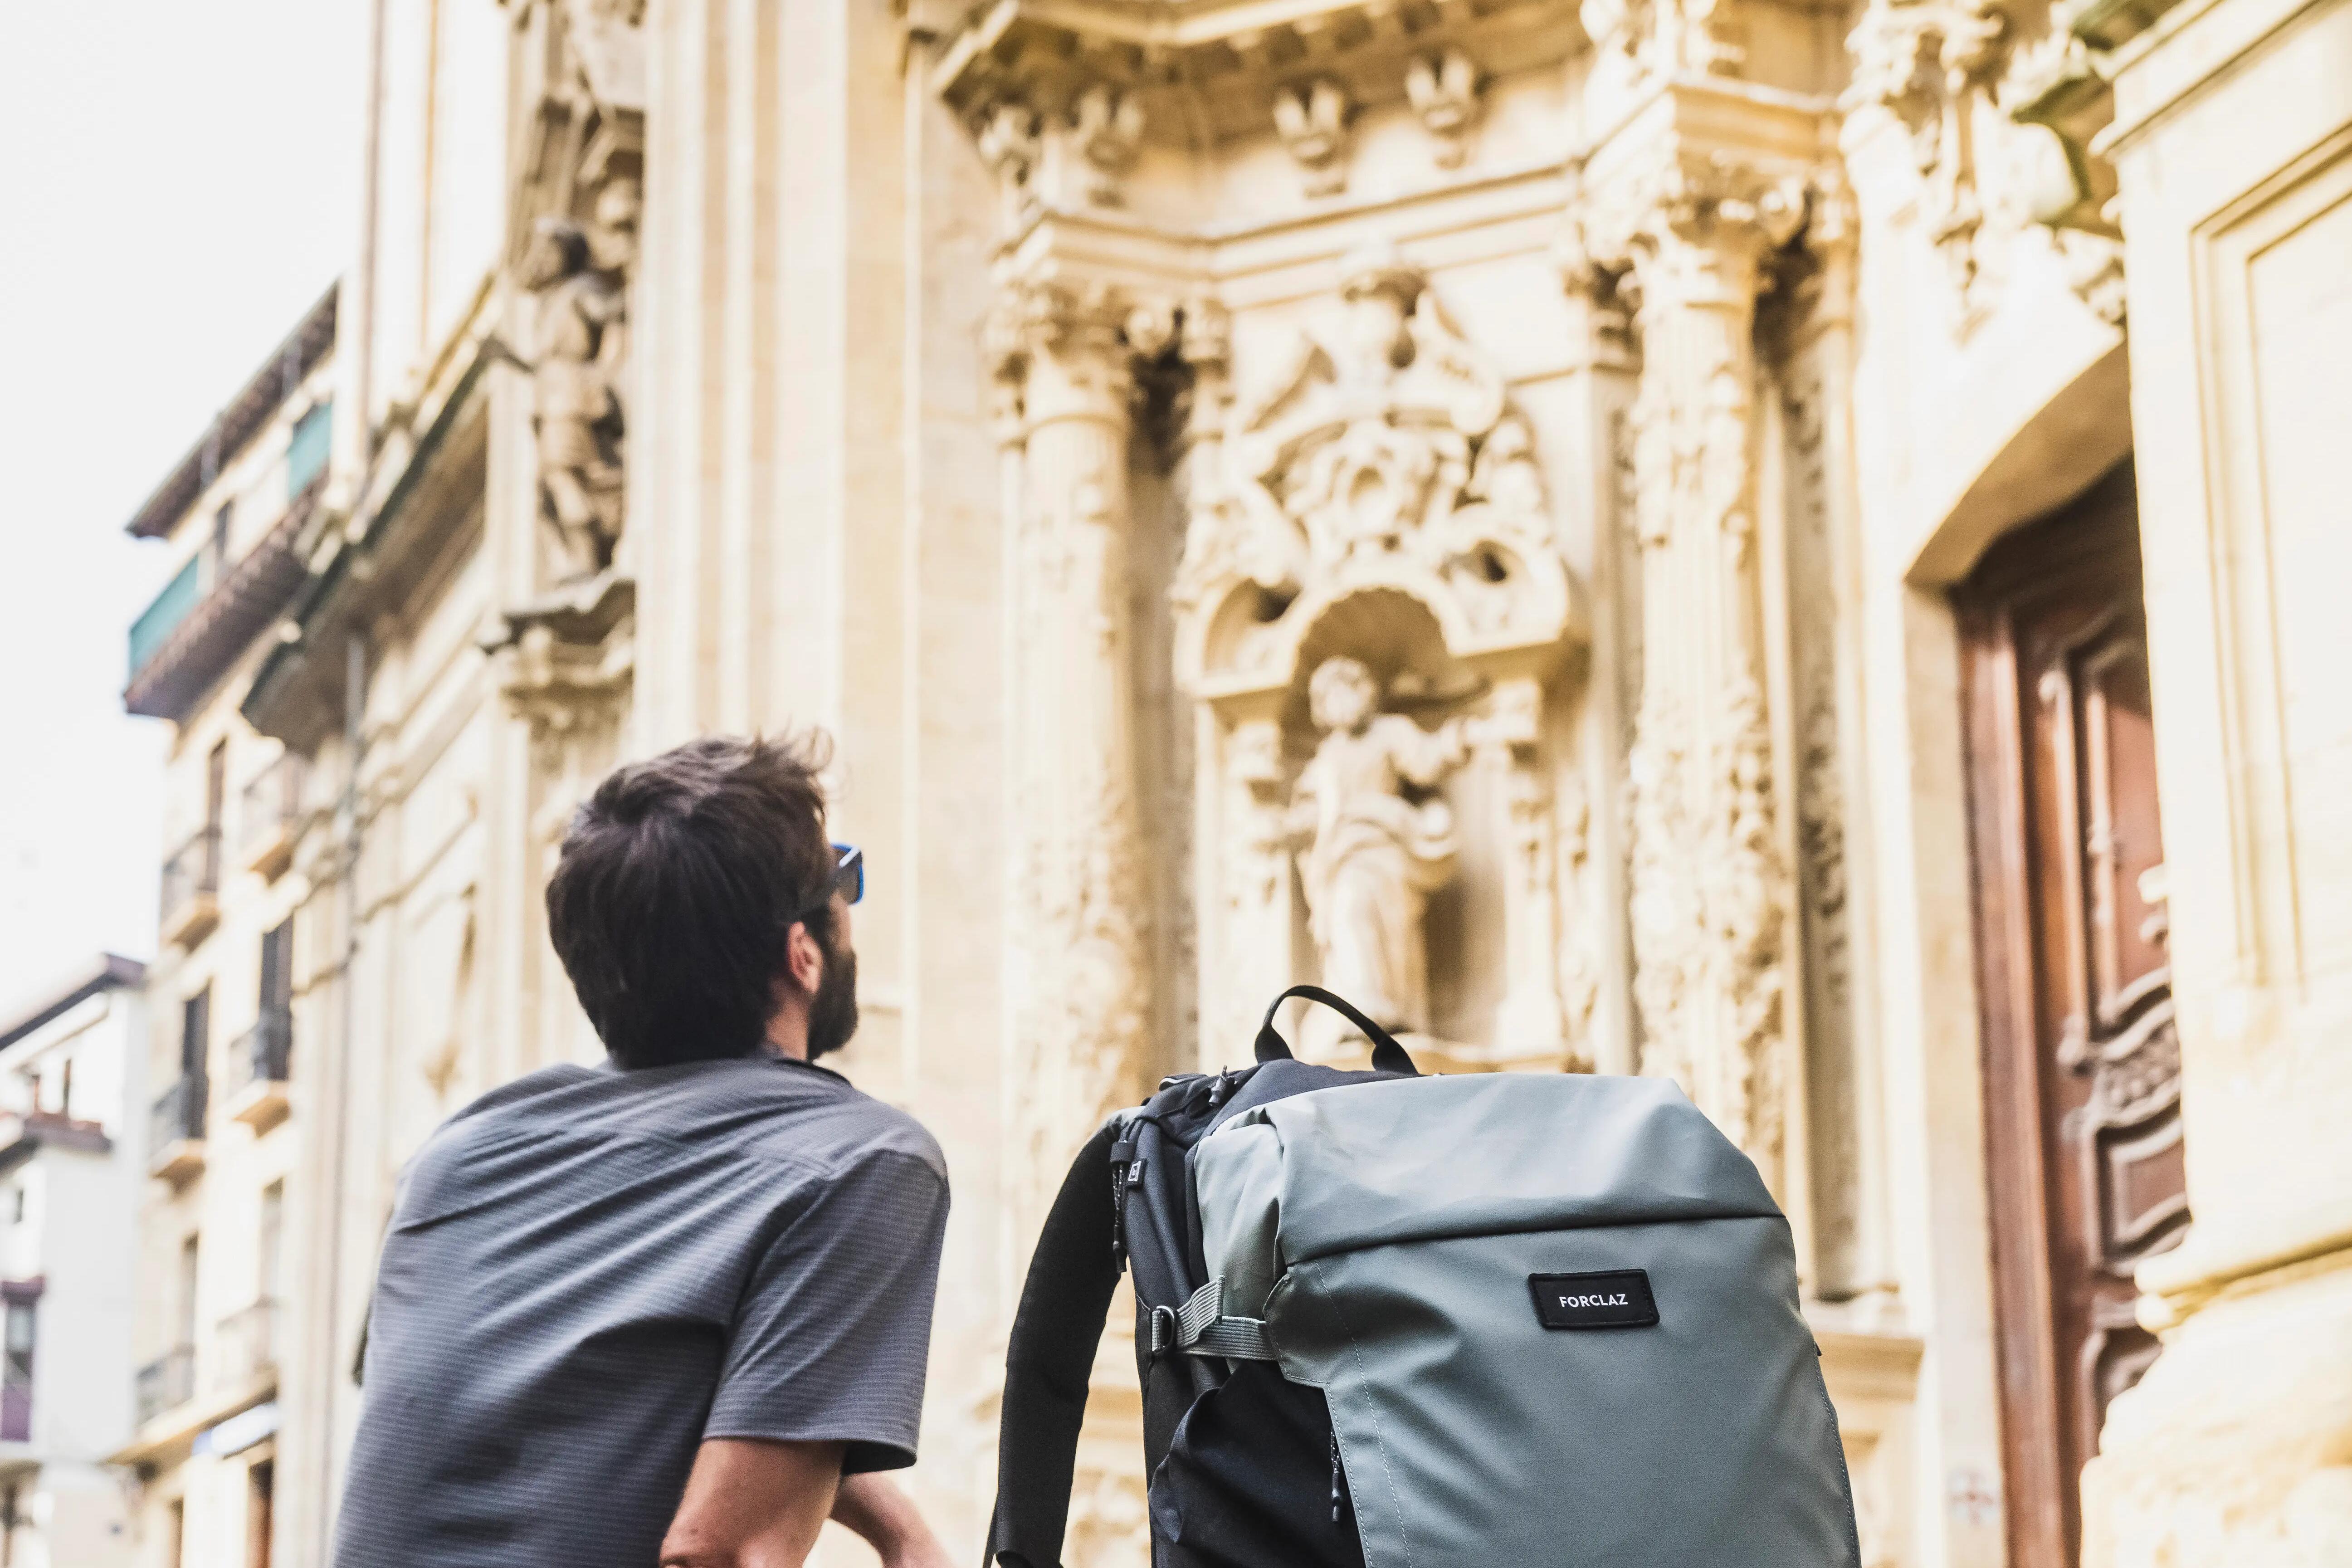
(591, 1270)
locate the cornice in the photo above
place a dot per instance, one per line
(1044, 52)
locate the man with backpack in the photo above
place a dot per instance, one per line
(674, 1308)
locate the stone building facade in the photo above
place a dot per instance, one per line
(216, 1144)
(1669, 536)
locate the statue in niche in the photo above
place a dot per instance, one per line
(577, 413)
(1373, 842)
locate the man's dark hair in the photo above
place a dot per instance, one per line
(677, 885)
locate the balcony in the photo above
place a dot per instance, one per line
(201, 624)
(175, 1132)
(166, 1382)
(257, 1061)
(270, 811)
(191, 893)
(248, 1347)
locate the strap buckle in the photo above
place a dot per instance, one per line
(1166, 1330)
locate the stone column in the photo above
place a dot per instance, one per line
(1081, 1000)
(1712, 890)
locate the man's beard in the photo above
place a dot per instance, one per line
(833, 1011)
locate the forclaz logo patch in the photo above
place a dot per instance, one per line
(1614, 1298)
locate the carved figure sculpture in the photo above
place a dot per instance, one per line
(1372, 844)
(1443, 91)
(577, 406)
(1312, 122)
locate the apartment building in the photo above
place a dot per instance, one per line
(72, 1092)
(221, 1115)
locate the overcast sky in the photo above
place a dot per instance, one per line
(177, 183)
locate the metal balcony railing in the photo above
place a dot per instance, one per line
(249, 1344)
(179, 1113)
(192, 873)
(166, 1382)
(260, 1054)
(269, 806)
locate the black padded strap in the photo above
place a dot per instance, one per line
(1386, 1055)
(1048, 1364)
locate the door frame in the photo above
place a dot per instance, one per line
(2041, 1506)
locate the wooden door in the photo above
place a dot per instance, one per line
(2082, 1064)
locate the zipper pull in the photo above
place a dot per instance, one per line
(1122, 1154)
(1335, 1478)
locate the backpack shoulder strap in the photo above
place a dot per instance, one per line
(1049, 1360)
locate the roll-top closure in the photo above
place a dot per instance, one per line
(1379, 1164)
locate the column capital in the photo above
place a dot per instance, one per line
(1709, 176)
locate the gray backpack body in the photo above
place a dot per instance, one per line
(1537, 1320)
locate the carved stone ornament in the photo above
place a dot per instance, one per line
(1370, 601)
(1382, 450)
(1445, 91)
(1313, 122)
(1649, 38)
(1373, 842)
(1934, 64)
(1009, 145)
(1107, 131)
(576, 273)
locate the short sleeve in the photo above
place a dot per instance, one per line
(833, 1329)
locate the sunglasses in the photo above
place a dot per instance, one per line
(848, 879)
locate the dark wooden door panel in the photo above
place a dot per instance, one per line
(2082, 1062)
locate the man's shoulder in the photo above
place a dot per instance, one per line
(825, 1117)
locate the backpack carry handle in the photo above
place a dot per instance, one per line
(1386, 1055)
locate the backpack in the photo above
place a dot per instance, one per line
(1385, 1320)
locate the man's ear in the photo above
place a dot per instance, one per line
(803, 958)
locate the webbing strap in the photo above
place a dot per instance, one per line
(1199, 1327)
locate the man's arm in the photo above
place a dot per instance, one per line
(752, 1504)
(888, 1518)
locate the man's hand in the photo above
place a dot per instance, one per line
(752, 1504)
(888, 1518)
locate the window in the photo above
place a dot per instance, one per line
(217, 550)
(260, 1482)
(185, 1301)
(270, 1243)
(215, 785)
(16, 1372)
(195, 1034)
(306, 454)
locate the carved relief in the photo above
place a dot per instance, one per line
(1313, 123)
(1648, 38)
(1371, 602)
(1374, 841)
(1445, 89)
(580, 344)
(575, 214)
(1010, 145)
(1934, 65)
(1107, 128)
(1382, 446)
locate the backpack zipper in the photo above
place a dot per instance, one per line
(1335, 1478)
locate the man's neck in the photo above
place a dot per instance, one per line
(787, 1038)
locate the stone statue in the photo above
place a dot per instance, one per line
(1372, 842)
(583, 307)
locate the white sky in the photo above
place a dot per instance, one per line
(178, 182)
